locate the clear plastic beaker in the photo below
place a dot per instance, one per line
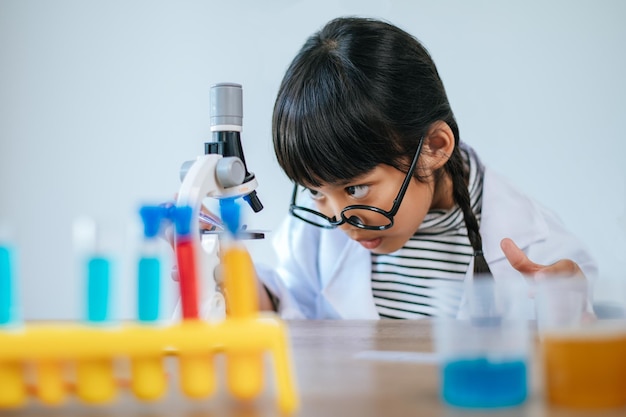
(484, 357)
(584, 357)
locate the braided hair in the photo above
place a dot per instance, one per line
(360, 93)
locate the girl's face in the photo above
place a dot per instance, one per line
(378, 188)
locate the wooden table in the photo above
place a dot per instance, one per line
(333, 379)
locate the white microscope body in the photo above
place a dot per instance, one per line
(220, 173)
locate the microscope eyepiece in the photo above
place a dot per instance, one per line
(226, 105)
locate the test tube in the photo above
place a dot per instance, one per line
(12, 385)
(244, 369)
(149, 379)
(149, 266)
(95, 380)
(50, 387)
(197, 373)
(7, 296)
(187, 263)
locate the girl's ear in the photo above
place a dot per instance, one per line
(438, 146)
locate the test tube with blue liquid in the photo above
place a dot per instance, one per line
(149, 268)
(8, 302)
(149, 381)
(95, 249)
(484, 356)
(49, 372)
(12, 387)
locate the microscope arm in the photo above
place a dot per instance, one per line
(215, 176)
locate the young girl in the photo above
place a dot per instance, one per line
(390, 209)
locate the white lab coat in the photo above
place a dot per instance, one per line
(323, 274)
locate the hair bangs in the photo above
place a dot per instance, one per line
(323, 131)
(327, 143)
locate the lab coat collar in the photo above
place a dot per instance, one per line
(343, 257)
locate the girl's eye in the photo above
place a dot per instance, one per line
(315, 195)
(358, 191)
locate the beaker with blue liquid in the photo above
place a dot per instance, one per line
(485, 351)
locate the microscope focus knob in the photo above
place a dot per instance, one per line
(230, 171)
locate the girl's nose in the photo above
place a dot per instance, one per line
(334, 210)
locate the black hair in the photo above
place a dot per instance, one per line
(362, 92)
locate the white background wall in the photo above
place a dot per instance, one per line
(101, 101)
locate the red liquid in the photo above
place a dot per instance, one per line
(186, 258)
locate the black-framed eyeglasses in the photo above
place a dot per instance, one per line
(358, 215)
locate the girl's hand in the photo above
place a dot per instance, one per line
(563, 268)
(519, 261)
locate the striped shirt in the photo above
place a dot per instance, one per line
(425, 277)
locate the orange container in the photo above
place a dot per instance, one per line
(585, 368)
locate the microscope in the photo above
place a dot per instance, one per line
(220, 173)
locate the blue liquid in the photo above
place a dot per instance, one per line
(148, 289)
(6, 286)
(98, 278)
(479, 383)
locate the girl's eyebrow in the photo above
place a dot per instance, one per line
(336, 183)
(361, 179)
(344, 183)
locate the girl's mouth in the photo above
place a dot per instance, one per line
(370, 244)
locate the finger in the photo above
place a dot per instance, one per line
(562, 268)
(517, 258)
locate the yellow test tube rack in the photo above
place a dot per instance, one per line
(94, 350)
(48, 347)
